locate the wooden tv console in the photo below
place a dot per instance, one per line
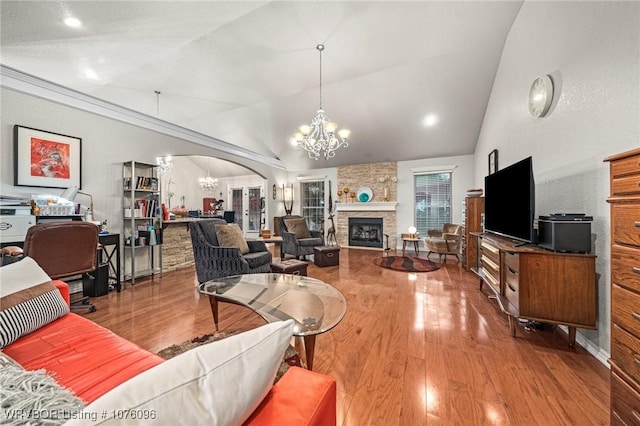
(536, 284)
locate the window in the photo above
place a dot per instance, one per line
(433, 200)
(313, 204)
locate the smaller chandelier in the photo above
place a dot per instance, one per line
(165, 164)
(208, 184)
(320, 137)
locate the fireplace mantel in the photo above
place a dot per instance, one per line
(367, 207)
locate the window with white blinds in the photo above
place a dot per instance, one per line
(313, 204)
(432, 200)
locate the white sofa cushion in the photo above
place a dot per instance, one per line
(220, 383)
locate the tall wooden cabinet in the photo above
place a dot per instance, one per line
(473, 209)
(536, 284)
(142, 220)
(625, 287)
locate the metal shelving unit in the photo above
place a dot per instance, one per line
(142, 220)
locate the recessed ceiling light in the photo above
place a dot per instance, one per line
(72, 22)
(430, 120)
(91, 74)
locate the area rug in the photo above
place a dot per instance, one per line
(405, 263)
(291, 356)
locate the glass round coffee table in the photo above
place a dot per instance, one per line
(315, 306)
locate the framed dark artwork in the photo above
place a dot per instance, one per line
(493, 161)
(45, 159)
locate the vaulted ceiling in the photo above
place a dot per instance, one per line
(248, 72)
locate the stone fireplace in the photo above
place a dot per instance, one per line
(365, 232)
(377, 178)
(383, 213)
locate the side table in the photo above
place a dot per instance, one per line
(111, 248)
(415, 242)
(275, 240)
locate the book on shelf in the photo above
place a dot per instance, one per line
(148, 208)
(142, 183)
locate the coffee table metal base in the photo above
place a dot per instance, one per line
(315, 306)
(305, 345)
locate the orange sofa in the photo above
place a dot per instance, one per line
(90, 360)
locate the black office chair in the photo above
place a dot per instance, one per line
(63, 250)
(229, 216)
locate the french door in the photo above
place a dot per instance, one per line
(247, 202)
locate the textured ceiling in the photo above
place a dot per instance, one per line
(247, 72)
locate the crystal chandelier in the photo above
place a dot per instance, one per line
(165, 164)
(208, 184)
(320, 136)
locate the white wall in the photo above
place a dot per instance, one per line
(295, 177)
(461, 180)
(591, 50)
(463, 174)
(184, 183)
(106, 143)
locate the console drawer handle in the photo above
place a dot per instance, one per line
(516, 272)
(636, 316)
(635, 270)
(512, 288)
(637, 223)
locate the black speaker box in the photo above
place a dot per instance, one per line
(565, 236)
(96, 283)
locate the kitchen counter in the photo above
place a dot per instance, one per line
(177, 251)
(187, 220)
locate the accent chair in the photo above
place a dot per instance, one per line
(219, 251)
(297, 239)
(444, 242)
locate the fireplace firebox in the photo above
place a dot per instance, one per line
(365, 232)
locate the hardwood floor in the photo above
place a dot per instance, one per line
(412, 349)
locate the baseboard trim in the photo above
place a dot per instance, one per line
(597, 352)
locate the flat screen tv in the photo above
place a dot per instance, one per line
(510, 202)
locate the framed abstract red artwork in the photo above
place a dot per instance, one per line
(46, 159)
